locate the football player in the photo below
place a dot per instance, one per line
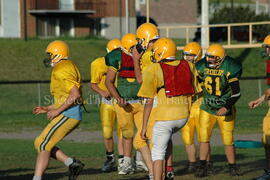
(64, 115)
(146, 35)
(173, 98)
(192, 52)
(129, 106)
(220, 77)
(98, 71)
(266, 120)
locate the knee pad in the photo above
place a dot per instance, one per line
(127, 133)
(107, 132)
(227, 138)
(53, 152)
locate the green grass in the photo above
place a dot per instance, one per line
(22, 60)
(17, 162)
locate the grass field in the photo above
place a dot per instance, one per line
(17, 160)
(22, 60)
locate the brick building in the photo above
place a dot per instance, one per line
(48, 18)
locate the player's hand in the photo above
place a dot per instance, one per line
(256, 103)
(122, 103)
(40, 110)
(143, 134)
(52, 114)
(222, 111)
(136, 55)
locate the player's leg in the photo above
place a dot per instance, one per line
(168, 168)
(266, 143)
(161, 137)
(162, 133)
(55, 131)
(125, 122)
(140, 144)
(120, 148)
(226, 125)
(206, 123)
(188, 140)
(107, 116)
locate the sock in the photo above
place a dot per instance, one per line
(169, 168)
(203, 162)
(37, 178)
(68, 161)
(120, 156)
(127, 159)
(232, 165)
(138, 156)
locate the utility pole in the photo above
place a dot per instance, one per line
(127, 17)
(147, 11)
(205, 23)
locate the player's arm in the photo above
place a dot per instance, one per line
(235, 87)
(146, 114)
(94, 87)
(148, 90)
(109, 82)
(74, 96)
(42, 109)
(257, 102)
(136, 59)
(96, 74)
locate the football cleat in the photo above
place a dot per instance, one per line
(109, 165)
(127, 168)
(75, 169)
(234, 170)
(140, 166)
(265, 176)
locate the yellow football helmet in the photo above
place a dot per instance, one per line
(266, 40)
(113, 44)
(193, 49)
(57, 50)
(146, 33)
(215, 55)
(164, 50)
(128, 41)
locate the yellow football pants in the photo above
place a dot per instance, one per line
(266, 130)
(133, 113)
(107, 116)
(54, 132)
(193, 122)
(207, 122)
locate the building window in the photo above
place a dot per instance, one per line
(46, 27)
(50, 27)
(65, 26)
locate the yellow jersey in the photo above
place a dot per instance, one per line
(65, 75)
(173, 108)
(98, 71)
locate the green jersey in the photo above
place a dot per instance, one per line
(126, 87)
(216, 88)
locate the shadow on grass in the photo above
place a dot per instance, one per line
(51, 176)
(246, 167)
